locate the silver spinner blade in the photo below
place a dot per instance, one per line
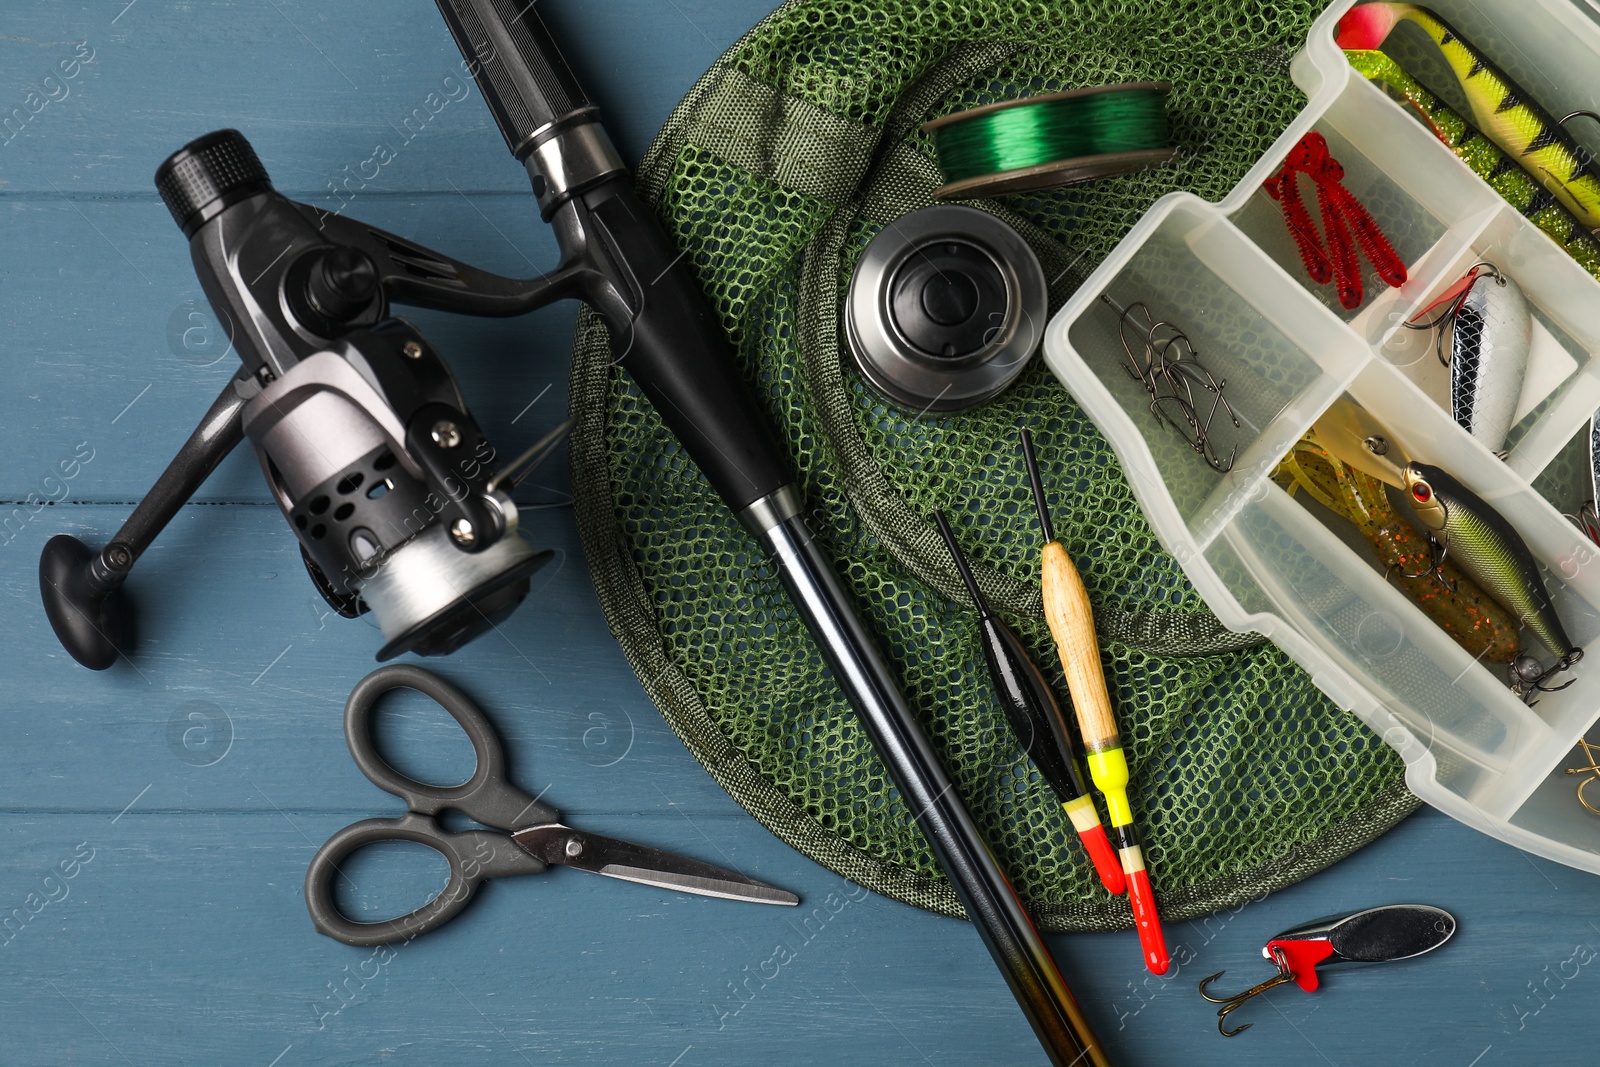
(613, 858)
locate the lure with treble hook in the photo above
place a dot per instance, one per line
(1448, 597)
(1489, 331)
(1468, 530)
(1377, 935)
(1484, 545)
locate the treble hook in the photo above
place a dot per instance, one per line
(1528, 675)
(1437, 554)
(1284, 975)
(1449, 314)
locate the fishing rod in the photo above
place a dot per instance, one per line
(616, 257)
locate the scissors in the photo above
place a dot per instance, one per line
(475, 856)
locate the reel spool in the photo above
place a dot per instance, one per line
(946, 307)
(366, 442)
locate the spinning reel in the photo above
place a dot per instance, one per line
(361, 429)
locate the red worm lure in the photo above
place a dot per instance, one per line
(1347, 224)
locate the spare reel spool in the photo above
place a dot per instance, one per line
(945, 308)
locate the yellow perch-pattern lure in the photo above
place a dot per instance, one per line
(1485, 158)
(1503, 111)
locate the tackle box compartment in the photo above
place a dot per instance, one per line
(1229, 275)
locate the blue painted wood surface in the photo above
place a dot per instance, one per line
(157, 819)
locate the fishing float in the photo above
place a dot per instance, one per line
(1071, 621)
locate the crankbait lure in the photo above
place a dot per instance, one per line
(1485, 159)
(1465, 529)
(1503, 111)
(1448, 597)
(1377, 935)
(1490, 332)
(1478, 538)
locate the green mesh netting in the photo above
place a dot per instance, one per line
(773, 174)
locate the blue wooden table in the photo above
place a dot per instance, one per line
(158, 818)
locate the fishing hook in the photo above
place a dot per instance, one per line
(1450, 313)
(1593, 769)
(1437, 554)
(1528, 677)
(1169, 370)
(1587, 519)
(1230, 1003)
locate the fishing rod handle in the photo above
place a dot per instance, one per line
(524, 77)
(1067, 610)
(615, 253)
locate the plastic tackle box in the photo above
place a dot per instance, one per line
(1229, 275)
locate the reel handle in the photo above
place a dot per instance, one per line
(77, 584)
(616, 255)
(523, 75)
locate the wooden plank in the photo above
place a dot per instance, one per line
(184, 939)
(234, 694)
(315, 87)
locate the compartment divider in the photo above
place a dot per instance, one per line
(1569, 415)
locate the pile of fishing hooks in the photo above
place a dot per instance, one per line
(1183, 393)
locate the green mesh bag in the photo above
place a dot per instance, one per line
(773, 174)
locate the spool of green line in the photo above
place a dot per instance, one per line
(1042, 141)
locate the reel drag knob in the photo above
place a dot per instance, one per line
(205, 176)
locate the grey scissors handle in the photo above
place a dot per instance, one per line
(474, 856)
(486, 796)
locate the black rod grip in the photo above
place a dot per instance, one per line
(522, 74)
(672, 345)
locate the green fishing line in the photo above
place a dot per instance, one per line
(1051, 129)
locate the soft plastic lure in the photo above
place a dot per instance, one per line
(1502, 110)
(1482, 542)
(1490, 332)
(1454, 603)
(1377, 935)
(1345, 221)
(1486, 159)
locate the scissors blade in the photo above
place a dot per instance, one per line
(556, 844)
